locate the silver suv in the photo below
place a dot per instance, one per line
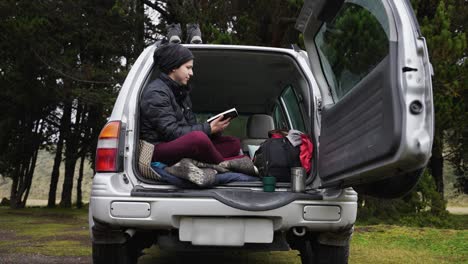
(362, 91)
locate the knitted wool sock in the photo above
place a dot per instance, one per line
(242, 165)
(186, 169)
(216, 167)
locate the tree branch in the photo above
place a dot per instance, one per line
(67, 75)
(155, 7)
(287, 20)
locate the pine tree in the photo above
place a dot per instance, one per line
(62, 63)
(447, 45)
(248, 22)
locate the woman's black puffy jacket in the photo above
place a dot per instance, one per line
(166, 112)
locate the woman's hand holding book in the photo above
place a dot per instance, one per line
(218, 125)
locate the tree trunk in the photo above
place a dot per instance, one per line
(463, 177)
(139, 26)
(13, 191)
(22, 180)
(30, 174)
(71, 155)
(67, 187)
(462, 180)
(26, 163)
(79, 196)
(437, 163)
(87, 121)
(55, 175)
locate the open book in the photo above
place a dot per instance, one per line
(231, 113)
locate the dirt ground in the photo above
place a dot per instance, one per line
(33, 236)
(41, 259)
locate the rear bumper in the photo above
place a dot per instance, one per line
(162, 213)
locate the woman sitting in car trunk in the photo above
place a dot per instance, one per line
(167, 120)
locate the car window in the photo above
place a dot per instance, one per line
(278, 118)
(352, 44)
(292, 107)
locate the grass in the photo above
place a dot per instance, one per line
(50, 232)
(397, 244)
(422, 219)
(59, 248)
(457, 200)
(62, 232)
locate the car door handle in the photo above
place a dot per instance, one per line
(407, 69)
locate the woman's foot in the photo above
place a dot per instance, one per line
(186, 169)
(242, 165)
(194, 34)
(174, 32)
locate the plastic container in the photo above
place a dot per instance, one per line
(269, 183)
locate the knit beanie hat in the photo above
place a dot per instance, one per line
(171, 56)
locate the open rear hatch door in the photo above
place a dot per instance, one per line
(372, 66)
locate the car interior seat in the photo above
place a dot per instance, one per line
(258, 126)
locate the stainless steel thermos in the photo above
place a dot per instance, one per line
(298, 176)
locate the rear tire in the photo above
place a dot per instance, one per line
(114, 254)
(311, 252)
(306, 252)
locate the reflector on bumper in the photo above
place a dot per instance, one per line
(130, 209)
(322, 213)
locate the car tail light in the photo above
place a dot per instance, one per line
(108, 158)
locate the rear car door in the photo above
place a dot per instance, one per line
(371, 63)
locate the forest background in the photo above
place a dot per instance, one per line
(63, 63)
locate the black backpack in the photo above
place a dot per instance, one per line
(275, 157)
